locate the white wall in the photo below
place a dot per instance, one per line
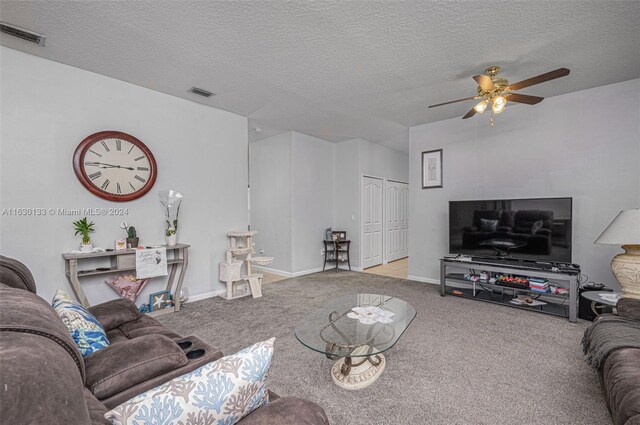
(48, 108)
(271, 198)
(353, 159)
(291, 199)
(346, 195)
(380, 161)
(585, 145)
(312, 200)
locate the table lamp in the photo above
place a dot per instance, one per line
(625, 230)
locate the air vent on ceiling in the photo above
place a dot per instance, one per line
(201, 92)
(22, 33)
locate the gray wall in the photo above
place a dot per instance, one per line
(353, 159)
(272, 198)
(585, 145)
(48, 108)
(291, 199)
(312, 200)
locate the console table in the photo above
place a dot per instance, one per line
(122, 261)
(558, 304)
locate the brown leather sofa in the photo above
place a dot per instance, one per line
(45, 379)
(620, 369)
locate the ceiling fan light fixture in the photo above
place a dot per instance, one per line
(480, 107)
(498, 104)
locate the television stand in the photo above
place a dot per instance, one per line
(565, 305)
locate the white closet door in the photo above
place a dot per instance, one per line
(371, 222)
(397, 223)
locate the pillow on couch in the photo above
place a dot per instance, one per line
(488, 225)
(221, 392)
(536, 226)
(87, 332)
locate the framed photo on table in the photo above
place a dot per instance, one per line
(432, 169)
(159, 300)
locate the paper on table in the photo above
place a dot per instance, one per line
(610, 297)
(151, 262)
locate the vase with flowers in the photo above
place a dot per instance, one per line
(171, 201)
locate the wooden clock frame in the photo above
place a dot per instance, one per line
(83, 147)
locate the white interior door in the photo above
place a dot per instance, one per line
(397, 221)
(371, 222)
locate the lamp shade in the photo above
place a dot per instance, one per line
(623, 230)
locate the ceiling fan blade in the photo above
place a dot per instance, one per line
(485, 83)
(552, 75)
(469, 114)
(523, 98)
(454, 101)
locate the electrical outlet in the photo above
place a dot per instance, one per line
(322, 252)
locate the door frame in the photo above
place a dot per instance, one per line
(384, 215)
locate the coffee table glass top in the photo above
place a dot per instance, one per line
(329, 330)
(610, 298)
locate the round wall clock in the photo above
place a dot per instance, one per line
(115, 166)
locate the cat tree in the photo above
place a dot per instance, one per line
(236, 270)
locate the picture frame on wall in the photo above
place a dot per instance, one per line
(159, 300)
(432, 169)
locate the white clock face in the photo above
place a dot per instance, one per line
(116, 166)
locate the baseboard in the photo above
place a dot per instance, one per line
(424, 279)
(261, 269)
(206, 295)
(304, 272)
(357, 269)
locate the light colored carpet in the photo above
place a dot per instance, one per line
(460, 362)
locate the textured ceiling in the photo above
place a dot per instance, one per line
(334, 69)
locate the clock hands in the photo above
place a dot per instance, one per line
(105, 165)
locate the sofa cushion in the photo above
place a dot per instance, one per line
(629, 308)
(25, 312)
(287, 411)
(146, 325)
(220, 392)
(16, 275)
(40, 381)
(86, 331)
(120, 366)
(115, 313)
(95, 408)
(621, 379)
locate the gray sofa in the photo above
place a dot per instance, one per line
(612, 346)
(45, 379)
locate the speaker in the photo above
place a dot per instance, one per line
(585, 311)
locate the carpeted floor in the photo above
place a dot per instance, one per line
(460, 362)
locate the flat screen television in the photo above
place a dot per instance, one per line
(536, 229)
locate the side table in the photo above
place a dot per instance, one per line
(595, 298)
(333, 255)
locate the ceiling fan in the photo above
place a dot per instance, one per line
(497, 91)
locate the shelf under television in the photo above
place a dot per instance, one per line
(479, 284)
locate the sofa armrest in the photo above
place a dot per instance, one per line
(470, 229)
(629, 307)
(543, 231)
(287, 411)
(115, 313)
(113, 369)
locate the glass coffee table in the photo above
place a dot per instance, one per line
(355, 330)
